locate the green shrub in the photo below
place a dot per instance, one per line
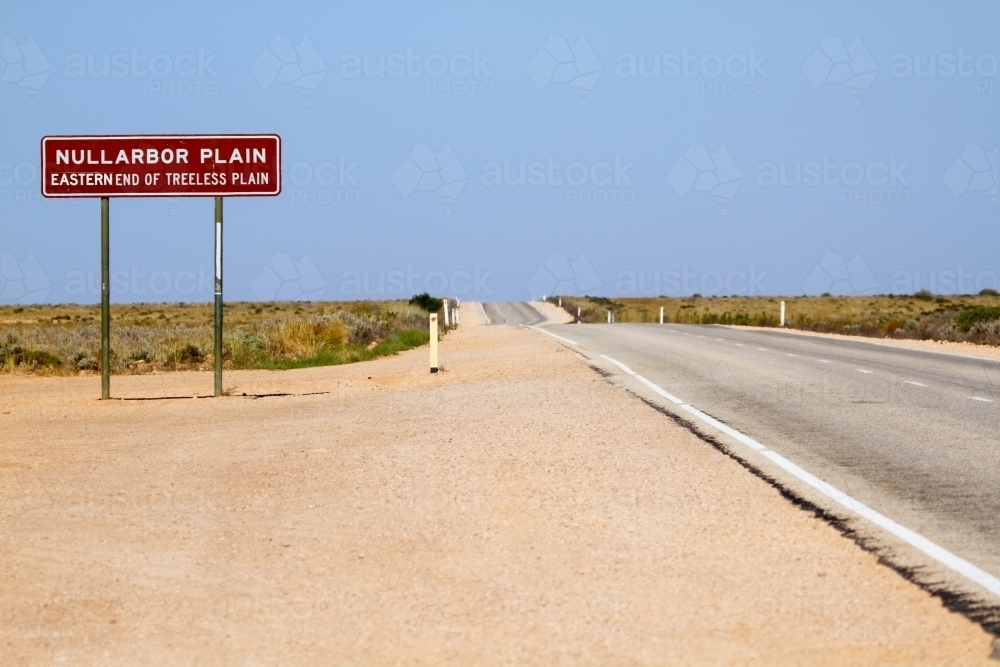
(970, 316)
(427, 302)
(15, 355)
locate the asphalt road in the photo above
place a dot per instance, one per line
(511, 312)
(914, 435)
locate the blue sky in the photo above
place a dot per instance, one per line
(659, 146)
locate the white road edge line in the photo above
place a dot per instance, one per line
(938, 553)
(980, 398)
(485, 316)
(549, 333)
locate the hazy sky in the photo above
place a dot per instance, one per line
(509, 150)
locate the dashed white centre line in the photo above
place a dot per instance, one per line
(916, 384)
(861, 370)
(739, 344)
(763, 349)
(824, 361)
(935, 551)
(980, 398)
(789, 354)
(718, 339)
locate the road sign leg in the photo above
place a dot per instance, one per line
(105, 302)
(218, 296)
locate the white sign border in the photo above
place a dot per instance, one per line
(91, 137)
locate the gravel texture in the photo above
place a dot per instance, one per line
(513, 509)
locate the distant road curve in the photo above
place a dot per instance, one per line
(511, 312)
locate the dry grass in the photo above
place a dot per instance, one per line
(972, 318)
(65, 339)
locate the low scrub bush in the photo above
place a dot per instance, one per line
(969, 317)
(297, 335)
(922, 316)
(427, 302)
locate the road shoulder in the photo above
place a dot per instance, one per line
(515, 508)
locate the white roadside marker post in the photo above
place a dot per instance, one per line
(560, 302)
(434, 343)
(661, 314)
(446, 323)
(782, 313)
(609, 317)
(578, 314)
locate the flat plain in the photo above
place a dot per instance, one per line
(514, 509)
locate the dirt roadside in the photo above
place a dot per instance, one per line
(513, 509)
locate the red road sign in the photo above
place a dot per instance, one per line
(164, 165)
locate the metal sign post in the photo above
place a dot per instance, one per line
(218, 297)
(105, 299)
(162, 165)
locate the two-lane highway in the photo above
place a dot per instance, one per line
(913, 435)
(511, 312)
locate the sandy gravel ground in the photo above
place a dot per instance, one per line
(514, 509)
